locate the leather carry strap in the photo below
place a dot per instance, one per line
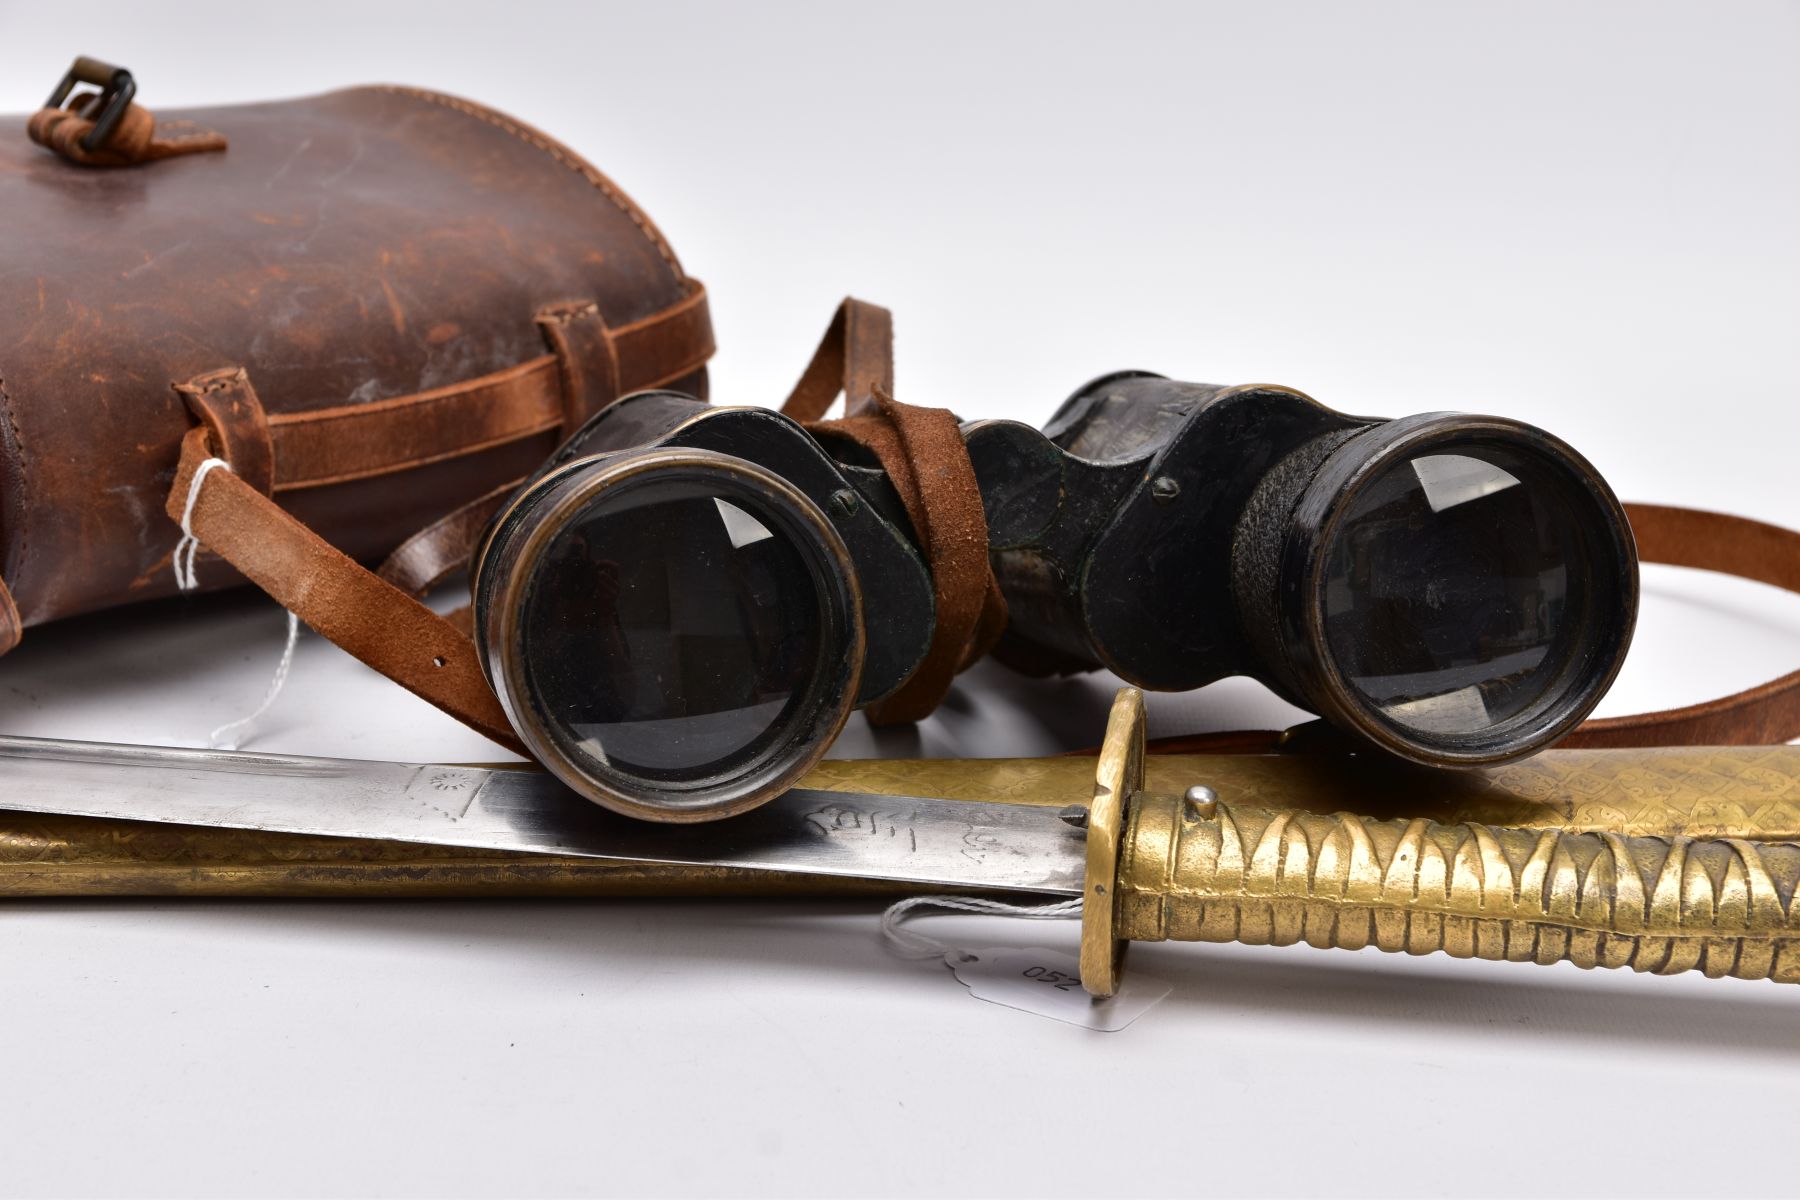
(355, 441)
(855, 358)
(11, 627)
(377, 619)
(345, 603)
(442, 548)
(1711, 541)
(922, 451)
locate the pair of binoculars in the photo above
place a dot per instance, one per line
(682, 608)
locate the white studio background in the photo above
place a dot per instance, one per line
(1583, 216)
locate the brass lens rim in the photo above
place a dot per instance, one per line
(538, 516)
(1610, 585)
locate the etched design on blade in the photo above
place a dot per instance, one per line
(936, 843)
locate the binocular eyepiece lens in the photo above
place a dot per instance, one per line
(670, 630)
(1475, 591)
(676, 631)
(1447, 592)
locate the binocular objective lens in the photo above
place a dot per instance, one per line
(1448, 603)
(668, 632)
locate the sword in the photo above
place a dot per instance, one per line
(1571, 879)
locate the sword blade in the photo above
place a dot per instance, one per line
(940, 843)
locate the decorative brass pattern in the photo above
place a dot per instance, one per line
(1664, 904)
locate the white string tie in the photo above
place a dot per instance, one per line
(230, 735)
(189, 545)
(242, 727)
(917, 945)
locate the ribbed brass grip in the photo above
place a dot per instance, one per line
(1207, 872)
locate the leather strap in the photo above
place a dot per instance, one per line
(228, 406)
(377, 619)
(138, 137)
(855, 358)
(922, 451)
(355, 441)
(353, 608)
(442, 548)
(11, 627)
(1711, 541)
(587, 359)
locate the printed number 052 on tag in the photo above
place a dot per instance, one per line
(1060, 980)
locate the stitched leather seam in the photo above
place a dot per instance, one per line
(563, 316)
(557, 151)
(6, 410)
(694, 299)
(238, 376)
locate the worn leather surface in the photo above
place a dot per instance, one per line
(345, 603)
(374, 262)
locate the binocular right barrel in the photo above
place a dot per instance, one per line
(1458, 590)
(682, 609)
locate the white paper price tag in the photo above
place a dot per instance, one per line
(1048, 983)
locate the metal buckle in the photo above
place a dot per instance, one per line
(117, 87)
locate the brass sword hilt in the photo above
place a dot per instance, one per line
(1196, 868)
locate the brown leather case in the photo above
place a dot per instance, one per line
(383, 303)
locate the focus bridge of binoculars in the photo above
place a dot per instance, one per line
(682, 608)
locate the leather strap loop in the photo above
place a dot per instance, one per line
(356, 441)
(587, 359)
(371, 619)
(855, 357)
(11, 627)
(226, 403)
(138, 137)
(922, 451)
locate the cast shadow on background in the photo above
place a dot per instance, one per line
(835, 942)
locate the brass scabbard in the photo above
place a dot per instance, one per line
(1739, 792)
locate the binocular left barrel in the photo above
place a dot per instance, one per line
(683, 608)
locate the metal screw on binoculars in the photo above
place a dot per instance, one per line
(681, 610)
